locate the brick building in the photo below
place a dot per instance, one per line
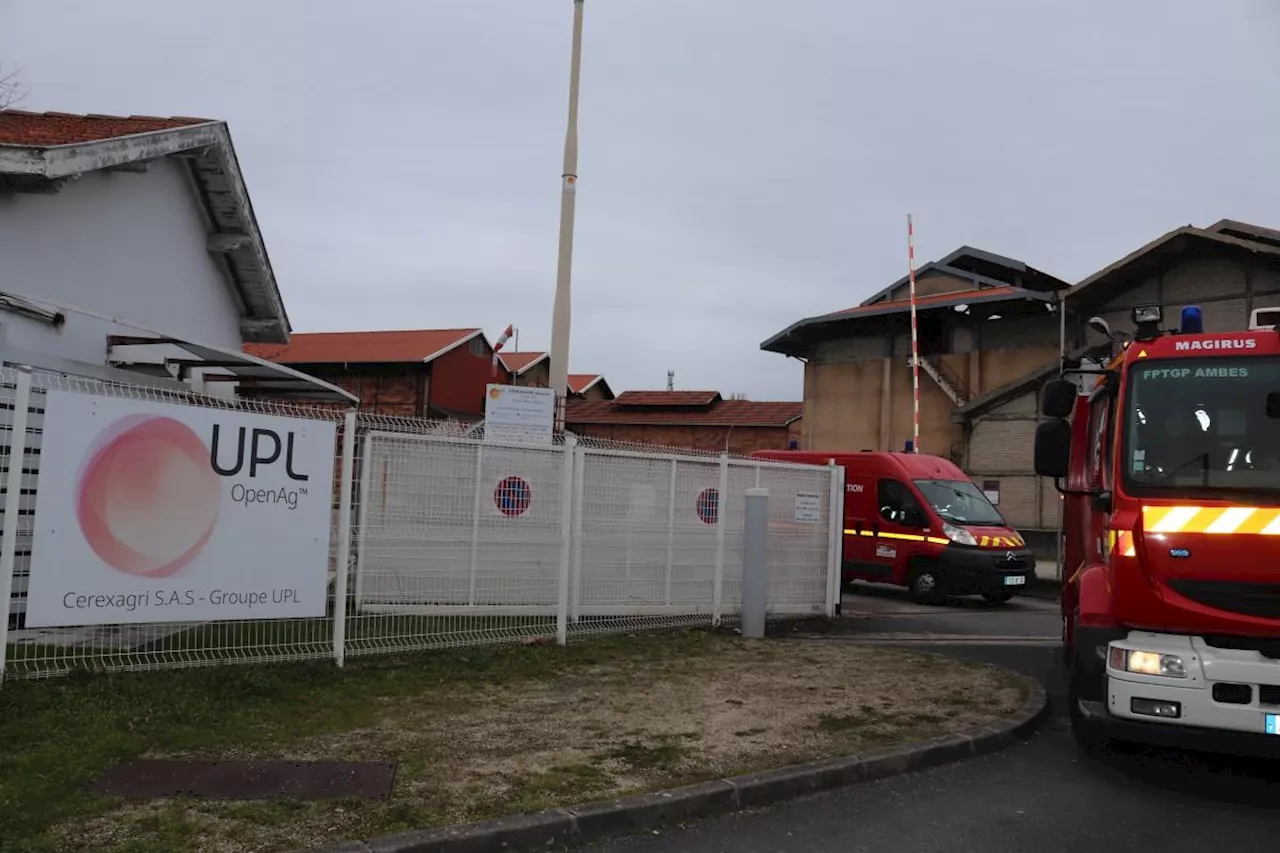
(700, 420)
(530, 369)
(428, 373)
(533, 370)
(590, 386)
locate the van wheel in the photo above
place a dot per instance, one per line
(925, 586)
(997, 597)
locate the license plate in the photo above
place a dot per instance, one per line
(1273, 724)
(1015, 580)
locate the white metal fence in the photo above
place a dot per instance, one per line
(439, 540)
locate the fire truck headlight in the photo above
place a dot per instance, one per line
(1148, 663)
(958, 535)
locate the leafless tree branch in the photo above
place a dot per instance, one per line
(12, 89)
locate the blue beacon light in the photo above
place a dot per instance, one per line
(1192, 320)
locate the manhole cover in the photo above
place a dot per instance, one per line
(248, 780)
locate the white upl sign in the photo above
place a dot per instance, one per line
(159, 512)
(518, 414)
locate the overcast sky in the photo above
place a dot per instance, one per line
(743, 164)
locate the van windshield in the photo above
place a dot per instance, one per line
(959, 502)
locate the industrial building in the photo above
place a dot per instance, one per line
(991, 333)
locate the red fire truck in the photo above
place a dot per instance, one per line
(1168, 460)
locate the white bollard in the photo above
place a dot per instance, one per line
(755, 562)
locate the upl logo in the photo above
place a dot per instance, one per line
(259, 454)
(149, 489)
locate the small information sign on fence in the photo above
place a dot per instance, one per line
(518, 414)
(808, 507)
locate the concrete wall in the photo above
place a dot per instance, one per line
(1226, 284)
(131, 245)
(930, 284)
(1000, 457)
(856, 400)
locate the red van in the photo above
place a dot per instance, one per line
(919, 522)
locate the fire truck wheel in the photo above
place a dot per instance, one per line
(924, 584)
(997, 597)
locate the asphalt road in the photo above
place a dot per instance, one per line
(1041, 796)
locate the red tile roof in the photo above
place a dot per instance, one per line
(723, 413)
(958, 297)
(520, 361)
(363, 347)
(19, 127)
(579, 382)
(667, 398)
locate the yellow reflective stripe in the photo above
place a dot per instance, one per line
(1230, 521)
(904, 537)
(1213, 520)
(986, 542)
(1124, 543)
(1169, 519)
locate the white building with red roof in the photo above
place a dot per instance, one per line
(131, 249)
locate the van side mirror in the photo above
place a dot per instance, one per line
(1273, 404)
(1053, 448)
(1059, 399)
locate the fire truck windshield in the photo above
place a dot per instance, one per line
(1196, 425)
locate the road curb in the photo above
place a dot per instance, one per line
(595, 821)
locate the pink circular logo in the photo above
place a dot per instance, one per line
(146, 496)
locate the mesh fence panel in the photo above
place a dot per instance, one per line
(458, 541)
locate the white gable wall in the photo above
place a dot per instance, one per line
(126, 244)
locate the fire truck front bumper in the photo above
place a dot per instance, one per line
(1179, 691)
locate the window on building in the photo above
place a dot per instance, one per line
(477, 347)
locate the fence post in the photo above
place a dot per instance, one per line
(344, 538)
(835, 538)
(671, 532)
(579, 494)
(755, 562)
(475, 527)
(566, 538)
(722, 504)
(13, 502)
(366, 468)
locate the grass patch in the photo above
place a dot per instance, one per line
(476, 733)
(643, 756)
